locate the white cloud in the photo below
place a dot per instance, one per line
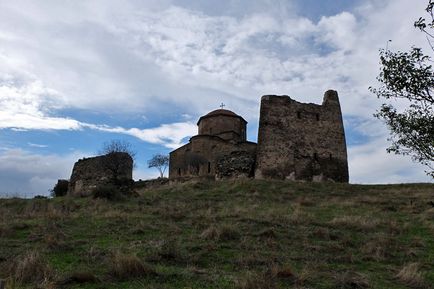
(37, 145)
(170, 135)
(370, 163)
(135, 57)
(26, 174)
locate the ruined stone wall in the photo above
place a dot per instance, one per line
(300, 141)
(200, 156)
(226, 127)
(88, 173)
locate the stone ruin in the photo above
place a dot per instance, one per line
(296, 141)
(299, 141)
(111, 169)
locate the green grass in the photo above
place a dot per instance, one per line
(239, 234)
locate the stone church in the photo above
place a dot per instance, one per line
(221, 134)
(296, 141)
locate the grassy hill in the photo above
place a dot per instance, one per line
(243, 234)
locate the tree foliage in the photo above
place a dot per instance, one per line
(60, 189)
(160, 162)
(118, 146)
(114, 162)
(409, 76)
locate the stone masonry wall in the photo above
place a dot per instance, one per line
(88, 173)
(200, 156)
(300, 141)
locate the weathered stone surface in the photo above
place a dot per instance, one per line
(88, 173)
(299, 141)
(236, 165)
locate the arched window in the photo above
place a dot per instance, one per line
(298, 114)
(317, 116)
(209, 167)
(315, 156)
(179, 171)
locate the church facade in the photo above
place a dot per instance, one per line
(221, 133)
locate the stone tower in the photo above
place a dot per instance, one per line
(299, 141)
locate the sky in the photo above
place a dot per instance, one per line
(77, 74)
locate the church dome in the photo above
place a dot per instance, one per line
(221, 112)
(223, 123)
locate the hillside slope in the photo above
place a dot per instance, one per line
(243, 234)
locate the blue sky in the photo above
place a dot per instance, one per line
(75, 74)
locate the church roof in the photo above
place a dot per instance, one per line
(220, 112)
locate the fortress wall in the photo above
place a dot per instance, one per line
(88, 173)
(301, 141)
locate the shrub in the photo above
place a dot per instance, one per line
(109, 192)
(411, 276)
(60, 189)
(31, 267)
(124, 266)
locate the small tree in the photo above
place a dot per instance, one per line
(118, 146)
(160, 162)
(114, 161)
(410, 76)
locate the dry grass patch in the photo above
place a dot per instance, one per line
(222, 233)
(210, 233)
(299, 216)
(355, 222)
(351, 280)
(31, 267)
(379, 248)
(123, 266)
(321, 233)
(167, 250)
(428, 215)
(270, 278)
(252, 260)
(411, 276)
(254, 280)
